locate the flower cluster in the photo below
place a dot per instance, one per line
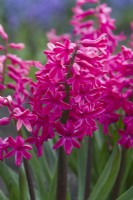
(91, 23)
(66, 86)
(83, 83)
(66, 96)
(118, 94)
(18, 71)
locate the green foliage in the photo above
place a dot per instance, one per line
(10, 179)
(3, 196)
(23, 187)
(81, 168)
(107, 179)
(104, 173)
(127, 195)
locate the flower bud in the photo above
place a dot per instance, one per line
(4, 121)
(3, 33)
(17, 46)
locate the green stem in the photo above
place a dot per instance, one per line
(62, 176)
(62, 159)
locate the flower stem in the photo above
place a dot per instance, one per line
(62, 159)
(62, 176)
(29, 180)
(88, 169)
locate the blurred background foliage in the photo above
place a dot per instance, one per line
(28, 21)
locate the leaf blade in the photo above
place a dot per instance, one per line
(106, 180)
(127, 195)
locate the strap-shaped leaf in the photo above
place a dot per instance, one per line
(68, 197)
(39, 176)
(51, 154)
(72, 161)
(44, 164)
(81, 168)
(52, 187)
(11, 181)
(128, 195)
(107, 179)
(3, 196)
(23, 187)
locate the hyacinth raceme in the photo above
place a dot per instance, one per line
(53, 37)
(83, 83)
(91, 23)
(72, 87)
(18, 70)
(126, 138)
(119, 84)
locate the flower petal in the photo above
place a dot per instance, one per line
(18, 158)
(27, 125)
(27, 155)
(19, 124)
(68, 146)
(75, 143)
(19, 141)
(59, 143)
(12, 142)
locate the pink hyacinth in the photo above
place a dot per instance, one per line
(60, 50)
(17, 46)
(23, 118)
(4, 121)
(18, 148)
(68, 136)
(3, 34)
(83, 82)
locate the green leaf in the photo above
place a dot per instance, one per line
(23, 187)
(101, 153)
(50, 154)
(12, 191)
(72, 162)
(99, 138)
(2, 196)
(68, 197)
(124, 184)
(44, 164)
(107, 179)
(81, 165)
(52, 188)
(128, 195)
(39, 176)
(10, 178)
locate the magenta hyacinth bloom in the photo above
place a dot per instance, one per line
(23, 118)
(83, 83)
(18, 148)
(68, 136)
